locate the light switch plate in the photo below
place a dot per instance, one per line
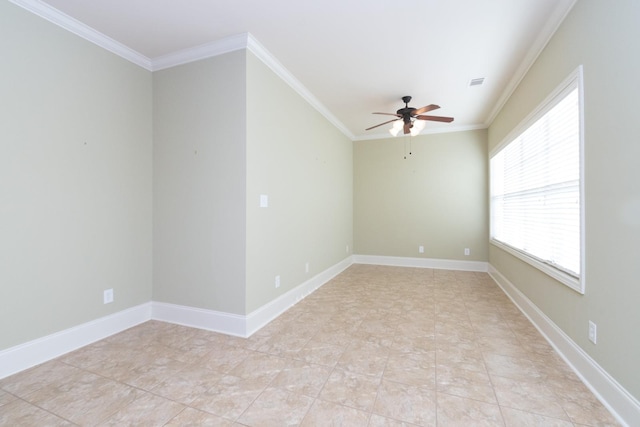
(108, 296)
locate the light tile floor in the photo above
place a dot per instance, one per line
(376, 346)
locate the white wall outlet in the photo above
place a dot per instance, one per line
(347, 248)
(277, 281)
(593, 332)
(264, 201)
(467, 251)
(421, 249)
(108, 296)
(306, 267)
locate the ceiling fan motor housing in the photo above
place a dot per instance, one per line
(406, 112)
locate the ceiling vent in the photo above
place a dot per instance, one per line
(476, 82)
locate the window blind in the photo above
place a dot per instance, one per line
(535, 188)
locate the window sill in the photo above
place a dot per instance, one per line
(577, 284)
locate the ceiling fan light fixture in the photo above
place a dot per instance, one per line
(418, 126)
(397, 126)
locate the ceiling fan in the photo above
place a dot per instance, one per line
(409, 115)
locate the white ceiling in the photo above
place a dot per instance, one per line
(353, 56)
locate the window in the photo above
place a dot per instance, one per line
(536, 187)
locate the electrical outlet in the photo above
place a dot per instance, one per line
(306, 267)
(347, 248)
(108, 296)
(277, 281)
(593, 332)
(421, 249)
(467, 251)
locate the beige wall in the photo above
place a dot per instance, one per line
(114, 178)
(199, 184)
(603, 37)
(226, 130)
(75, 179)
(305, 166)
(436, 197)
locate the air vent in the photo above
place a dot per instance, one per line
(476, 82)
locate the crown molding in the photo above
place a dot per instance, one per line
(247, 41)
(82, 30)
(532, 55)
(270, 61)
(208, 50)
(204, 51)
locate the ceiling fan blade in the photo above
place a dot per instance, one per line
(427, 108)
(389, 114)
(435, 118)
(407, 128)
(372, 127)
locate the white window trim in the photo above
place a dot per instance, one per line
(575, 79)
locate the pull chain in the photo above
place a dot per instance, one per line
(404, 144)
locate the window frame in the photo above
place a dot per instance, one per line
(573, 81)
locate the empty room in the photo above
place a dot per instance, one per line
(286, 213)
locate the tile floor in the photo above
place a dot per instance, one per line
(376, 346)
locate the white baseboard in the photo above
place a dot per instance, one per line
(240, 325)
(15, 359)
(612, 395)
(32, 353)
(439, 264)
(265, 314)
(211, 320)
